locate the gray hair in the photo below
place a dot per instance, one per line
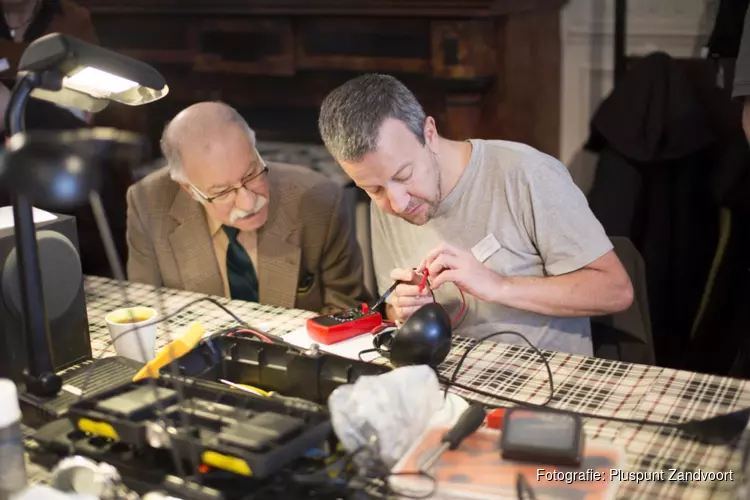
(170, 144)
(352, 114)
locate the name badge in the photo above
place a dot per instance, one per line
(485, 248)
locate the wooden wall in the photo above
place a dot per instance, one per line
(483, 68)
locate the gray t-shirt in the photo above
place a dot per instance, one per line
(528, 202)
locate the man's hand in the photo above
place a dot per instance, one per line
(448, 264)
(406, 297)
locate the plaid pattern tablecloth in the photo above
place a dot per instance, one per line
(582, 384)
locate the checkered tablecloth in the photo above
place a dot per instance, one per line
(581, 384)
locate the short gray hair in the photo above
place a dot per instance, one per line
(170, 144)
(352, 114)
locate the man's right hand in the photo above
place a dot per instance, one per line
(406, 297)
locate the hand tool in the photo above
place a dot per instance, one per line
(469, 421)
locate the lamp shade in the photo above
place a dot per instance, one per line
(61, 169)
(424, 339)
(91, 71)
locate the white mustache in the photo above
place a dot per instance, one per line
(238, 213)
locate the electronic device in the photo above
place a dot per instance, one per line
(543, 437)
(337, 327)
(247, 446)
(272, 367)
(64, 299)
(424, 339)
(237, 437)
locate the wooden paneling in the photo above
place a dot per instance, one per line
(400, 8)
(463, 49)
(354, 44)
(245, 47)
(482, 68)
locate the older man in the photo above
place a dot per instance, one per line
(497, 220)
(219, 220)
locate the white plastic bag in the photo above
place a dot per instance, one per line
(384, 414)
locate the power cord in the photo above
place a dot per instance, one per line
(708, 430)
(375, 483)
(114, 262)
(454, 377)
(156, 322)
(523, 488)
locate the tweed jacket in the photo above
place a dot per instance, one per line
(308, 255)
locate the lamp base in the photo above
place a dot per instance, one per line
(105, 374)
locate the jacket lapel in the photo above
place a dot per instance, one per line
(279, 251)
(192, 247)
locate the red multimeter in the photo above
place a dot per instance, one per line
(336, 327)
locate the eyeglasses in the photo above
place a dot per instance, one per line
(228, 196)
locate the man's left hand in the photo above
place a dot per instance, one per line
(447, 263)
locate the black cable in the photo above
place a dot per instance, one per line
(160, 320)
(452, 381)
(119, 274)
(526, 404)
(401, 494)
(523, 488)
(365, 351)
(110, 251)
(379, 482)
(543, 406)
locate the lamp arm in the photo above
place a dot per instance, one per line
(15, 114)
(41, 379)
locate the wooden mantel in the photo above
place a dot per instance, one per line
(408, 8)
(483, 68)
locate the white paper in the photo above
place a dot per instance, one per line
(6, 216)
(346, 349)
(485, 248)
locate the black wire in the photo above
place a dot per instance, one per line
(543, 406)
(526, 404)
(402, 494)
(380, 481)
(452, 381)
(523, 488)
(365, 351)
(160, 320)
(110, 251)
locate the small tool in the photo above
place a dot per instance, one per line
(385, 296)
(469, 421)
(172, 351)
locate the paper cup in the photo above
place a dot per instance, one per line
(130, 326)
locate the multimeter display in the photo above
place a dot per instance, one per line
(337, 327)
(339, 318)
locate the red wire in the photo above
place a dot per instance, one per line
(463, 307)
(254, 333)
(424, 283)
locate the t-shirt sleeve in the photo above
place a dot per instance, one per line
(741, 87)
(382, 260)
(557, 216)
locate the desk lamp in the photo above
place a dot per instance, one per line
(69, 72)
